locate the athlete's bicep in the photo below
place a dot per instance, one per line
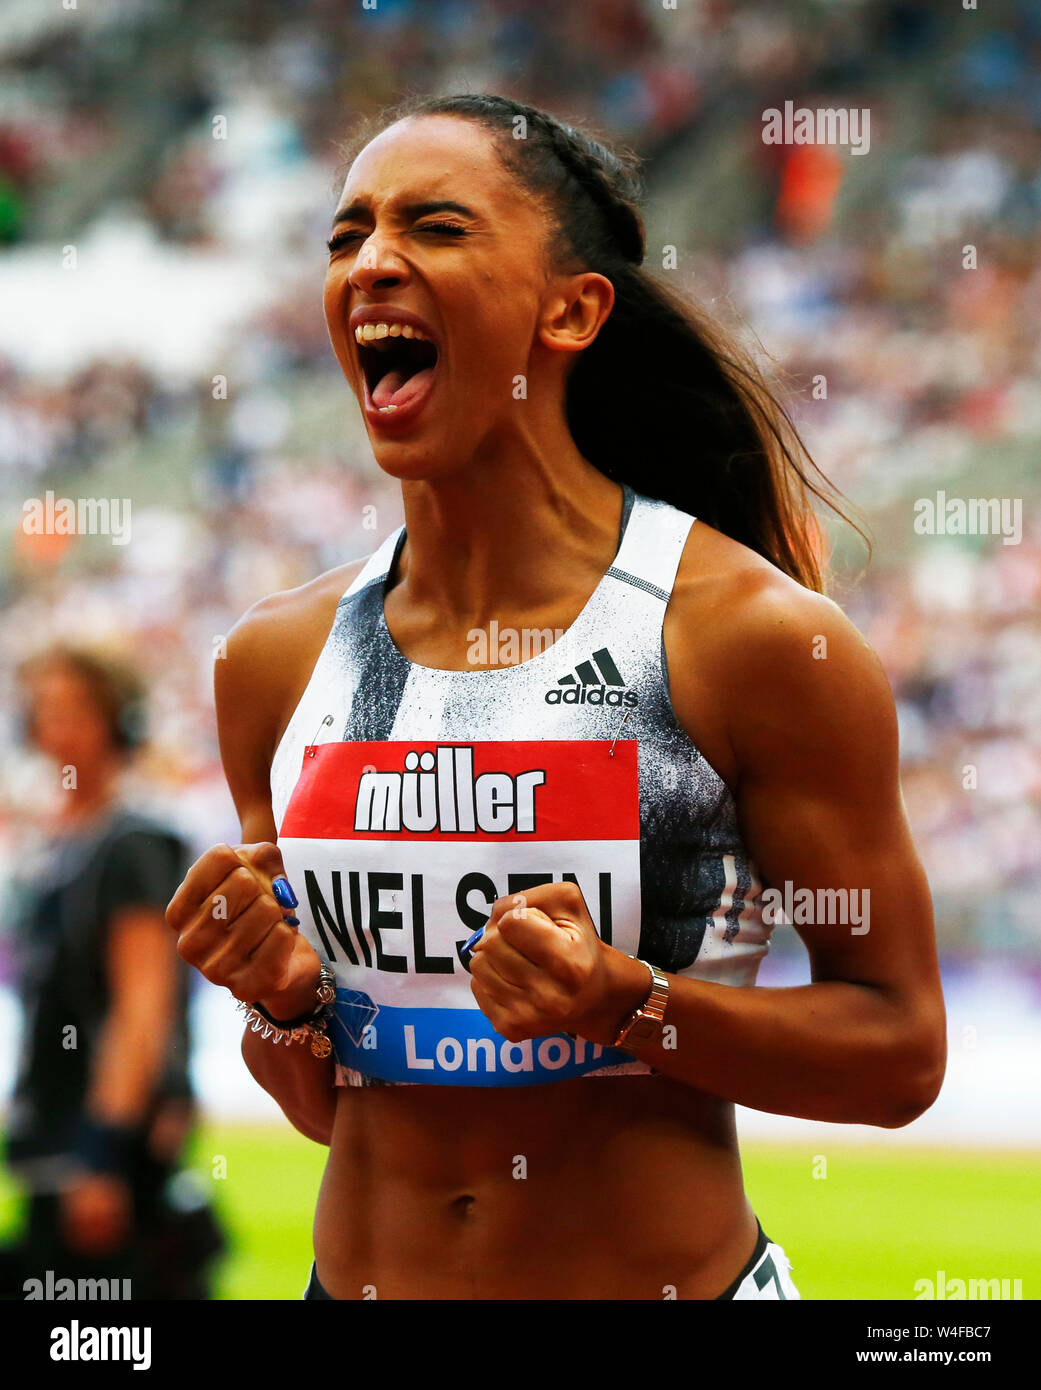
(267, 660)
(245, 698)
(818, 794)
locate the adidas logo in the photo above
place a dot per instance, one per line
(594, 682)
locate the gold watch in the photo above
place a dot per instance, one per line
(644, 1025)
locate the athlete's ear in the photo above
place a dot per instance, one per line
(574, 310)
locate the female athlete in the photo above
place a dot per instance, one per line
(550, 1113)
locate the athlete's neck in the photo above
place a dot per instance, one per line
(503, 538)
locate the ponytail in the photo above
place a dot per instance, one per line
(663, 399)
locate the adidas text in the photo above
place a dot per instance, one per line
(591, 695)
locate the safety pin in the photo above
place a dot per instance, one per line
(615, 739)
(312, 750)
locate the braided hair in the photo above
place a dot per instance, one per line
(662, 399)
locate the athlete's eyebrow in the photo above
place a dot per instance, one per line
(361, 209)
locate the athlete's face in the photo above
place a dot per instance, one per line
(430, 224)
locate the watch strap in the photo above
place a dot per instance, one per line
(644, 1025)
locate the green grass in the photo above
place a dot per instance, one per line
(877, 1222)
(883, 1219)
(267, 1201)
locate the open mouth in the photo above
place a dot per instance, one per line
(397, 369)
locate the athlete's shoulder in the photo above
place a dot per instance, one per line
(288, 620)
(269, 653)
(777, 654)
(748, 604)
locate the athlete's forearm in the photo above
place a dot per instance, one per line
(301, 1083)
(832, 1051)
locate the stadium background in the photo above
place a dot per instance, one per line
(199, 257)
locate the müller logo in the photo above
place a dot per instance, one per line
(441, 793)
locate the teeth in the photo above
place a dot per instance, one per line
(369, 332)
(384, 409)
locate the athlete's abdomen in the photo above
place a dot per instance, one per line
(621, 1189)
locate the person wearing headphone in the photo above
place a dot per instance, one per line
(102, 1103)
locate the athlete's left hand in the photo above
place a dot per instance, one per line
(540, 968)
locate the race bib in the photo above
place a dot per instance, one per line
(398, 850)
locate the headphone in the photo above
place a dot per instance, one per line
(130, 726)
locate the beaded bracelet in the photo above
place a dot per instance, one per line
(292, 1030)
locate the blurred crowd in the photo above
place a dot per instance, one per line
(929, 365)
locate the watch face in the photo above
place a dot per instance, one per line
(643, 1030)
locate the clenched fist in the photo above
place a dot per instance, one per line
(230, 927)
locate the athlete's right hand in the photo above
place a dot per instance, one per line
(232, 930)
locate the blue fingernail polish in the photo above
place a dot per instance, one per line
(469, 944)
(293, 921)
(284, 895)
